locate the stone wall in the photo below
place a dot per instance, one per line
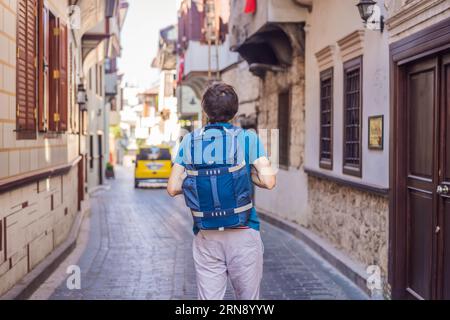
(34, 220)
(355, 222)
(288, 203)
(247, 88)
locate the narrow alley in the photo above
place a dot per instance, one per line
(139, 247)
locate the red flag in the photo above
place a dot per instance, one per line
(250, 6)
(181, 69)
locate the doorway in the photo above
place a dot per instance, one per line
(420, 199)
(100, 159)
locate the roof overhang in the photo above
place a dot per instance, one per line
(90, 41)
(272, 47)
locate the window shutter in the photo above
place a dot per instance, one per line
(26, 69)
(44, 74)
(53, 118)
(71, 90)
(63, 76)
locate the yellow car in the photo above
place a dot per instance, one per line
(153, 165)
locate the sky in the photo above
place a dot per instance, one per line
(139, 39)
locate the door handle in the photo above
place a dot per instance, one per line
(443, 190)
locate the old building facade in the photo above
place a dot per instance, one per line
(271, 40)
(203, 54)
(347, 83)
(419, 38)
(43, 177)
(102, 24)
(332, 85)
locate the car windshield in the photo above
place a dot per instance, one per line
(154, 154)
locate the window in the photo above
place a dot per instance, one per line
(26, 69)
(326, 119)
(352, 116)
(91, 152)
(154, 154)
(90, 79)
(283, 126)
(63, 79)
(58, 65)
(100, 80)
(72, 92)
(41, 72)
(96, 79)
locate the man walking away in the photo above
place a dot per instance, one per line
(216, 168)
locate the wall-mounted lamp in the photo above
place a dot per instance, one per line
(82, 97)
(367, 8)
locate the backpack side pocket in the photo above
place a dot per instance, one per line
(242, 189)
(190, 193)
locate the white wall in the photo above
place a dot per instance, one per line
(330, 21)
(196, 57)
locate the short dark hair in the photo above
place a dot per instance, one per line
(220, 102)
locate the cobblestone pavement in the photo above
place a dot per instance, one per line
(139, 247)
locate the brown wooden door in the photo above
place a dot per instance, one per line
(427, 219)
(444, 179)
(421, 182)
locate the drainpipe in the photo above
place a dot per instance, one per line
(304, 4)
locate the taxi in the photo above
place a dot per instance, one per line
(153, 166)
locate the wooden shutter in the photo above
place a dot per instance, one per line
(44, 72)
(53, 117)
(63, 78)
(26, 69)
(71, 90)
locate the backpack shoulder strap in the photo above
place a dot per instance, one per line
(235, 148)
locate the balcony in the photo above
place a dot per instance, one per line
(269, 38)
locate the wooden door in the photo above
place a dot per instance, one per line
(421, 176)
(419, 214)
(443, 276)
(427, 195)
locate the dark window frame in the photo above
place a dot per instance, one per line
(351, 66)
(91, 152)
(326, 75)
(284, 164)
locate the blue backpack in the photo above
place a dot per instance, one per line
(219, 191)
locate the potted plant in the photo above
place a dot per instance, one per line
(109, 171)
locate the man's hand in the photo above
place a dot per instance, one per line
(263, 174)
(174, 186)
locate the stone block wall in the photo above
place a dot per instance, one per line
(34, 220)
(284, 201)
(355, 222)
(275, 83)
(246, 86)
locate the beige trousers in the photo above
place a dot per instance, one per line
(233, 253)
